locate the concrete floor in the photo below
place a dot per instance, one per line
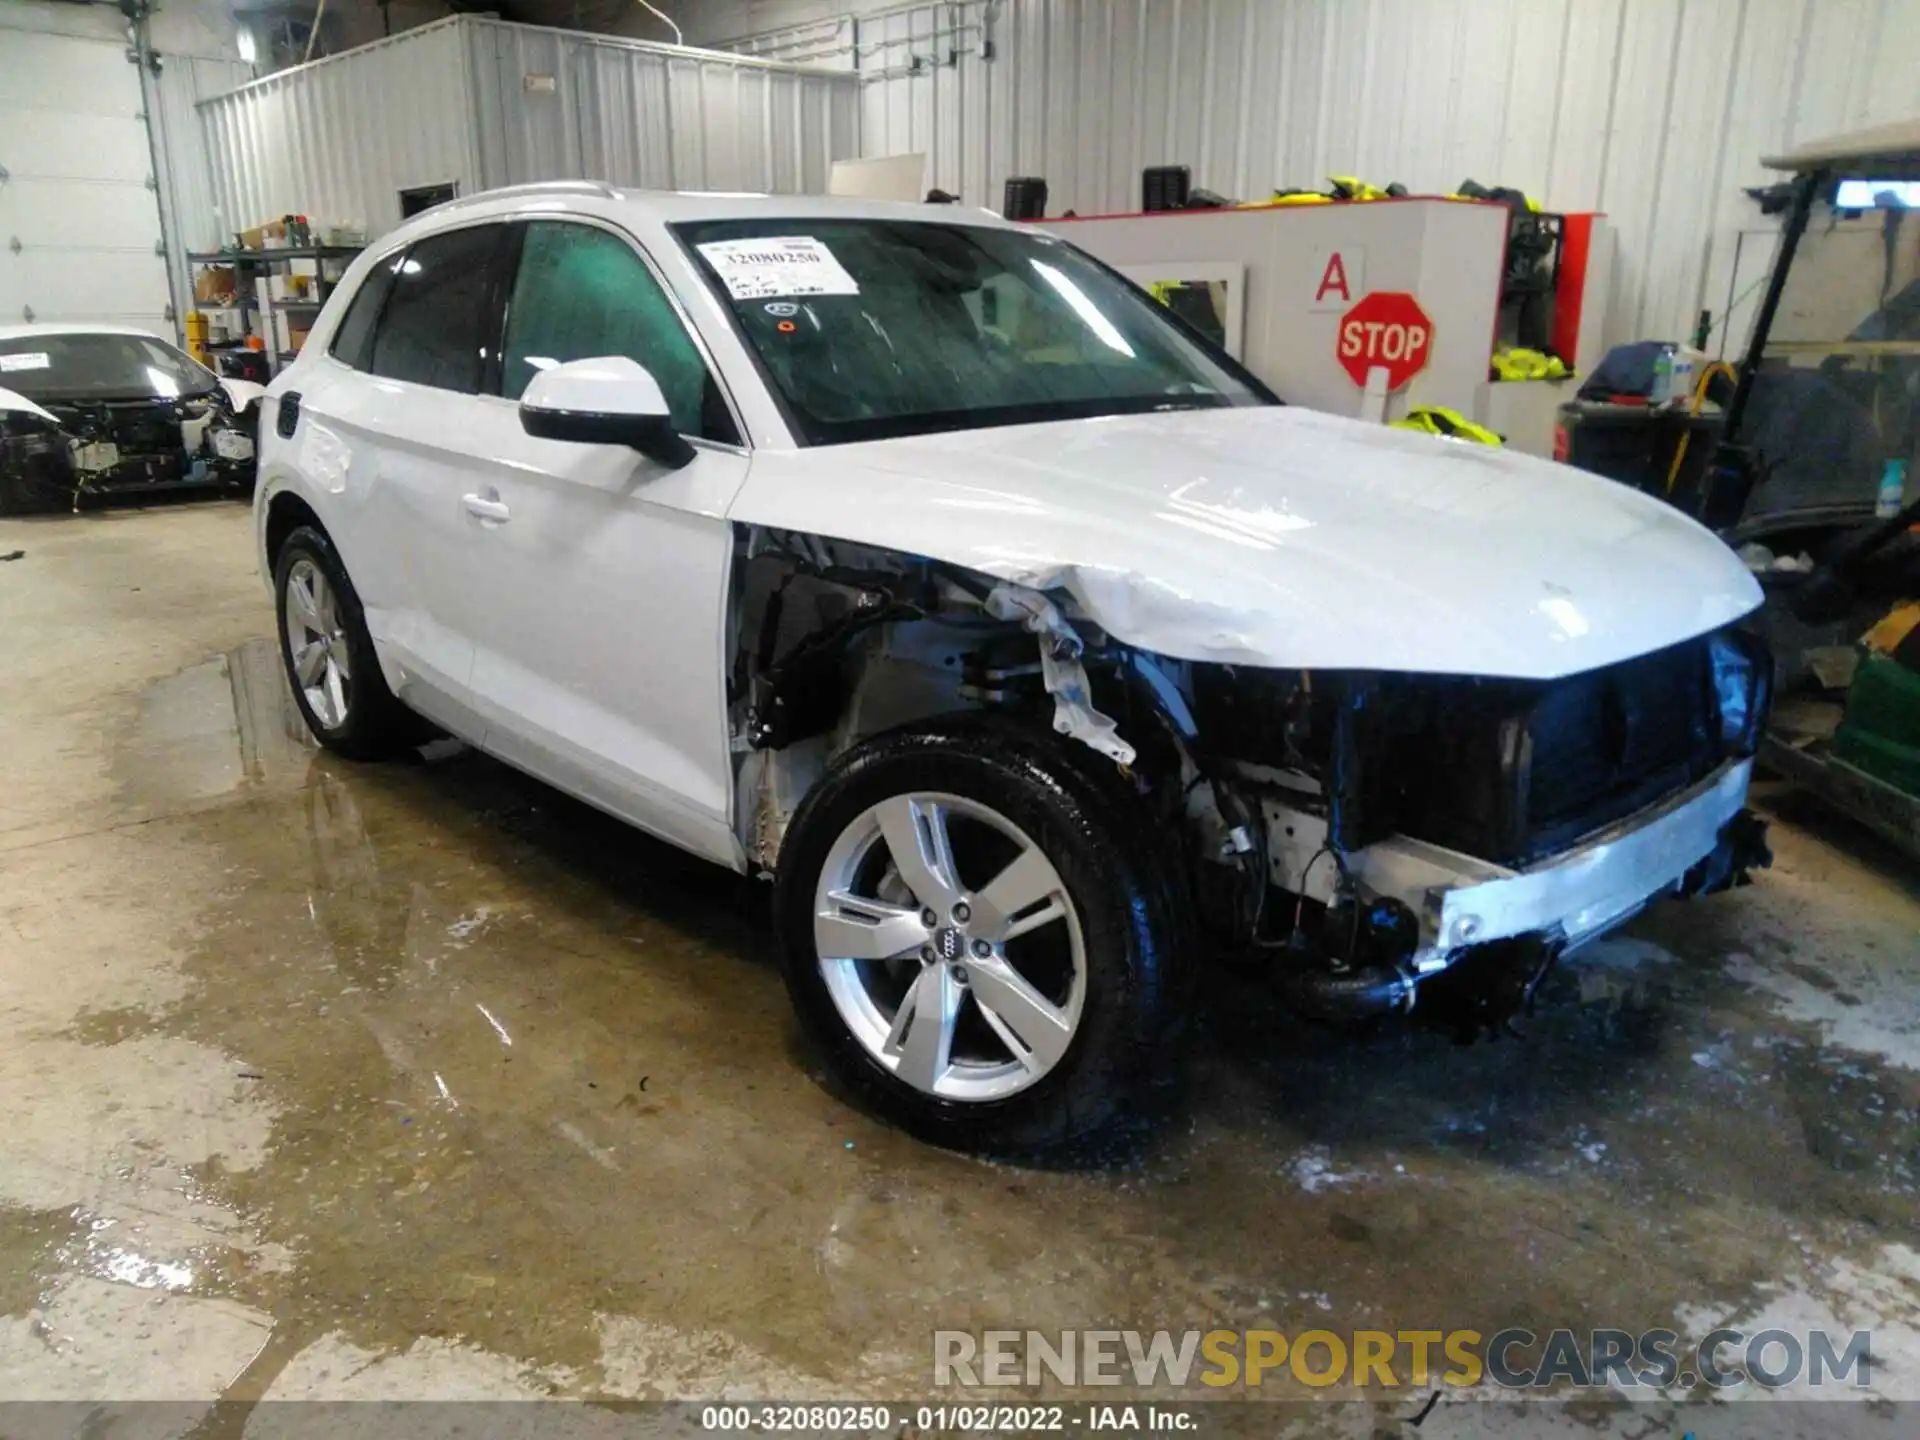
(422, 1080)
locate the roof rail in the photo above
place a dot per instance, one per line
(531, 190)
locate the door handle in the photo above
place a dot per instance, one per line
(485, 509)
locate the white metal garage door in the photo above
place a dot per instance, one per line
(79, 225)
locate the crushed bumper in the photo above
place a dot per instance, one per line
(1576, 895)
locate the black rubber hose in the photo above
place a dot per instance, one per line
(1347, 994)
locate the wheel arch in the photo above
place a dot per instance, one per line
(285, 512)
(829, 643)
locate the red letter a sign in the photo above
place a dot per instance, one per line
(1333, 280)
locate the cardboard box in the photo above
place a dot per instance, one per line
(290, 331)
(215, 285)
(264, 237)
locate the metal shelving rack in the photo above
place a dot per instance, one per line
(249, 266)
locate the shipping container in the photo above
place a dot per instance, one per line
(471, 103)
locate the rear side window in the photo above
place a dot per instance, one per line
(353, 341)
(583, 292)
(443, 311)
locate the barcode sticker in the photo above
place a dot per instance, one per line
(779, 265)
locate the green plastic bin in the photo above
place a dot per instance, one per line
(1881, 731)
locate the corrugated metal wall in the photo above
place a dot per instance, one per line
(644, 116)
(190, 219)
(338, 140)
(828, 42)
(1654, 111)
(480, 103)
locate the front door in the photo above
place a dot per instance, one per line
(600, 632)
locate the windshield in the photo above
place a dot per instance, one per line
(875, 328)
(98, 367)
(1834, 413)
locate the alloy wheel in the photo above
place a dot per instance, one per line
(317, 647)
(950, 946)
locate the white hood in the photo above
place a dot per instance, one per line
(14, 400)
(1283, 537)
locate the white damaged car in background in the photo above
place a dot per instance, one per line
(1032, 648)
(95, 410)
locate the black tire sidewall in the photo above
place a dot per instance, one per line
(369, 730)
(20, 495)
(1084, 830)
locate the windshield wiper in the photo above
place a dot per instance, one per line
(1193, 402)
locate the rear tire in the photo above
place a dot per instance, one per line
(1045, 992)
(329, 656)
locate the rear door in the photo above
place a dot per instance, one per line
(397, 399)
(79, 219)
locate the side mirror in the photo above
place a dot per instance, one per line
(607, 400)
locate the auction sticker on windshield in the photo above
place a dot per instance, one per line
(778, 265)
(32, 360)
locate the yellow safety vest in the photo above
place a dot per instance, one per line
(1438, 420)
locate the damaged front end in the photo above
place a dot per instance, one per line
(56, 454)
(1372, 838)
(1452, 835)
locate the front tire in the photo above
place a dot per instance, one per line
(329, 655)
(33, 489)
(976, 935)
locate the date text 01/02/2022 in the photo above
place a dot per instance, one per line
(1018, 1419)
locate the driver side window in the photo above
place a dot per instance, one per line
(581, 292)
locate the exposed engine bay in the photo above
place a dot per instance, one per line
(57, 453)
(1374, 841)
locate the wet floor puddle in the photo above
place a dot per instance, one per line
(531, 1072)
(222, 726)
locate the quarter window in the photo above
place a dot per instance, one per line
(582, 292)
(443, 313)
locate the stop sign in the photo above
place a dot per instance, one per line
(1386, 328)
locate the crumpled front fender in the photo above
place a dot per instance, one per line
(242, 393)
